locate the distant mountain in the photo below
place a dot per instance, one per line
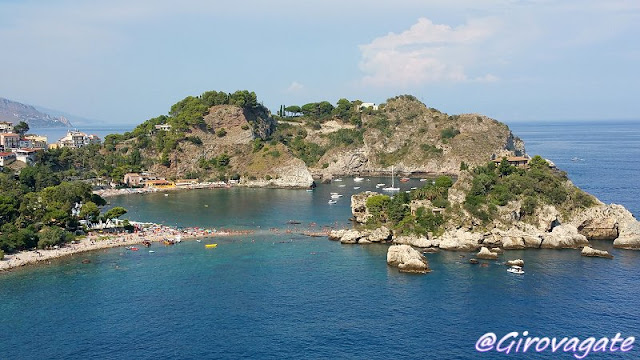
(74, 119)
(15, 112)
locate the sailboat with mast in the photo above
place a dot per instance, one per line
(393, 184)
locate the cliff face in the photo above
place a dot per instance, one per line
(416, 139)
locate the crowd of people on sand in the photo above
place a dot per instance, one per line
(124, 191)
(143, 234)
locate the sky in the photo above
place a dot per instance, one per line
(123, 61)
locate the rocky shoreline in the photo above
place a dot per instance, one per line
(600, 222)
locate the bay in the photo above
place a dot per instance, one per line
(283, 295)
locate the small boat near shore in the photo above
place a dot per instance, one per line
(380, 185)
(338, 179)
(358, 179)
(211, 246)
(404, 179)
(336, 196)
(356, 187)
(332, 202)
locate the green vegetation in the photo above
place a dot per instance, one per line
(448, 133)
(395, 211)
(494, 186)
(21, 128)
(38, 210)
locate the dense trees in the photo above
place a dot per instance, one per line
(538, 185)
(37, 209)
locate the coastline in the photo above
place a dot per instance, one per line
(154, 233)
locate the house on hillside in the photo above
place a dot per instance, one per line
(26, 155)
(371, 106)
(163, 127)
(37, 141)
(77, 139)
(7, 158)
(6, 127)
(9, 141)
(132, 179)
(517, 161)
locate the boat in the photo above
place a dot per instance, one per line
(380, 185)
(392, 187)
(423, 179)
(338, 179)
(356, 187)
(358, 179)
(210, 246)
(404, 179)
(331, 202)
(342, 185)
(151, 251)
(178, 239)
(134, 248)
(414, 188)
(515, 269)
(336, 196)
(198, 240)
(309, 190)
(334, 193)
(166, 194)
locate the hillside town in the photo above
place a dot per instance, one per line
(15, 146)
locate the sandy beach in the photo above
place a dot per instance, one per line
(95, 241)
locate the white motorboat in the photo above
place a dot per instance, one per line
(515, 269)
(336, 196)
(380, 185)
(358, 179)
(338, 179)
(392, 187)
(356, 187)
(342, 185)
(331, 202)
(423, 179)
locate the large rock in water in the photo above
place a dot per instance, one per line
(564, 237)
(486, 254)
(407, 259)
(359, 206)
(589, 251)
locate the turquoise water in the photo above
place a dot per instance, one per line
(275, 296)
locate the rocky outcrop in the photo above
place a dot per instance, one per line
(599, 221)
(336, 235)
(516, 262)
(599, 228)
(547, 218)
(416, 241)
(514, 238)
(351, 237)
(591, 252)
(381, 234)
(291, 174)
(359, 206)
(460, 240)
(407, 259)
(486, 254)
(564, 237)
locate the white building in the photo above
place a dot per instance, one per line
(164, 127)
(6, 127)
(7, 158)
(37, 141)
(27, 156)
(9, 141)
(77, 139)
(368, 105)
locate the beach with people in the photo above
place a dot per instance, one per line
(150, 233)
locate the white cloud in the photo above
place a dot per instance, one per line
(427, 53)
(295, 87)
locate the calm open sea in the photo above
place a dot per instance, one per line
(281, 296)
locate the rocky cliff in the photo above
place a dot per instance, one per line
(416, 140)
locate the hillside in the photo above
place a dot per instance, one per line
(15, 112)
(231, 136)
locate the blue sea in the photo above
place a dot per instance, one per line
(280, 295)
